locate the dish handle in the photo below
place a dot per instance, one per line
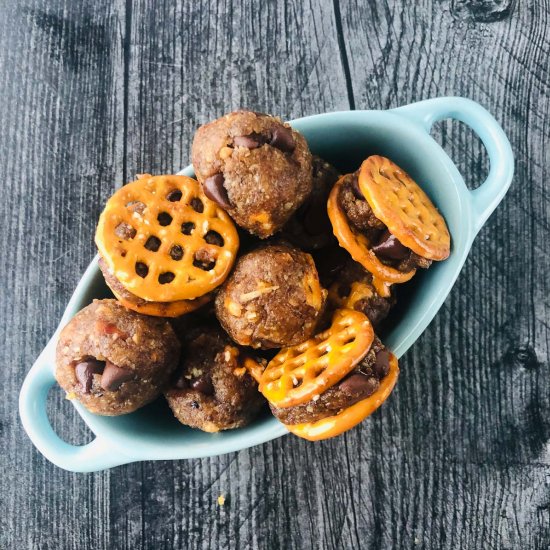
(501, 158)
(96, 455)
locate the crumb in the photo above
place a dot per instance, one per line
(221, 500)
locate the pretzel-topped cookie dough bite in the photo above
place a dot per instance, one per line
(164, 245)
(255, 167)
(387, 223)
(328, 384)
(114, 360)
(273, 298)
(212, 389)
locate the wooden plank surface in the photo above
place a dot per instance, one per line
(95, 92)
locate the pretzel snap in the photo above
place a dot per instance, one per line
(350, 417)
(358, 245)
(398, 201)
(297, 373)
(164, 240)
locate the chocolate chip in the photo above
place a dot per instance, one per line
(213, 237)
(359, 384)
(214, 189)
(152, 243)
(141, 269)
(251, 141)
(187, 228)
(125, 231)
(85, 371)
(196, 204)
(176, 252)
(282, 139)
(356, 189)
(164, 219)
(389, 247)
(174, 195)
(167, 277)
(382, 364)
(113, 377)
(202, 384)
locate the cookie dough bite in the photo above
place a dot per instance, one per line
(255, 167)
(387, 223)
(272, 299)
(328, 384)
(114, 360)
(164, 245)
(309, 228)
(353, 289)
(212, 389)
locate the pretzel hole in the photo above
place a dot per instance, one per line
(196, 205)
(174, 195)
(125, 231)
(213, 237)
(203, 260)
(176, 252)
(187, 228)
(165, 278)
(141, 269)
(164, 219)
(152, 243)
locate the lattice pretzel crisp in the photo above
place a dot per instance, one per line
(298, 373)
(154, 235)
(398, 201)
(358, 245)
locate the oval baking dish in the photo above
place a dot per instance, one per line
(401, 134)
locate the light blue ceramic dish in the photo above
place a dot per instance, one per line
(344, 138)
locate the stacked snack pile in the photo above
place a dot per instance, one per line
(263, 279)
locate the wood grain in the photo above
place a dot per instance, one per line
(95, 92)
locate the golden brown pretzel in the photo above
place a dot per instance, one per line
(164, 240)
(399, 202)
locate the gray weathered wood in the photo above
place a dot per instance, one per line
(95, 92)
